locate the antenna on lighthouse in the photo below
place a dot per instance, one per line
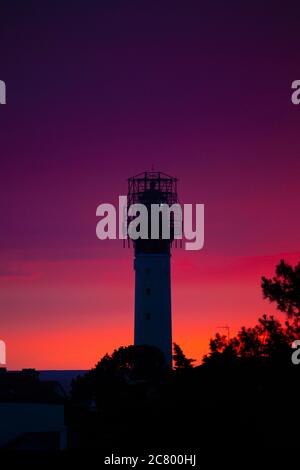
(226, 327)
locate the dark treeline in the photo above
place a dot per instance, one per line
(244, 394)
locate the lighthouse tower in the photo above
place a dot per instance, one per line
(153, 315)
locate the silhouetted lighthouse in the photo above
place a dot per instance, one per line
(153, 315)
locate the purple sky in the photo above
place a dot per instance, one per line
(99, 91)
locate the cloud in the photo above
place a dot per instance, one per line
(12, 273)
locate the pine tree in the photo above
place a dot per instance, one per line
(181, 362)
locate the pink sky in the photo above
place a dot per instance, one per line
(202, 93)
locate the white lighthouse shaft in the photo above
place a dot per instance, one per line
(153, 320)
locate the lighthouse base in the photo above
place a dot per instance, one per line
(153, 322)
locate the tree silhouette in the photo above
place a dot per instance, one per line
(126, 365)
(284, 288)
(268, 339)
(180, 360)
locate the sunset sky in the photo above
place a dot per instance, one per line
(100, 91)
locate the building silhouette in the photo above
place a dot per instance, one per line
(32, 412)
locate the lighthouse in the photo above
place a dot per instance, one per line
(152, 264)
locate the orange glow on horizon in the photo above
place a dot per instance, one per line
(87, 311)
